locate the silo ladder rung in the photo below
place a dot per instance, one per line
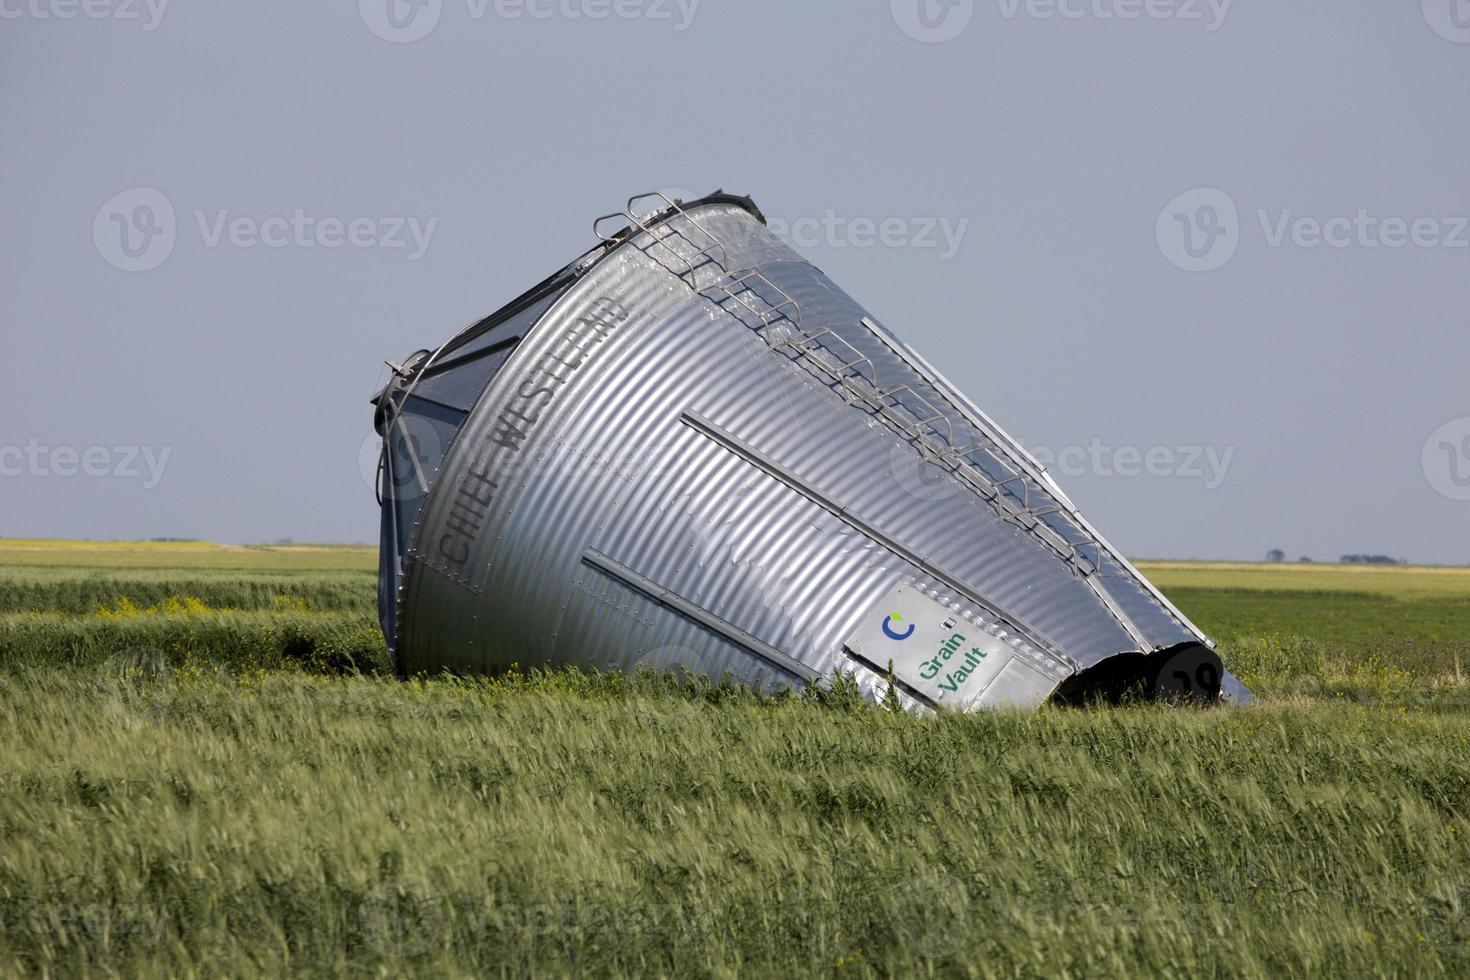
(645, 224)
(737, 285)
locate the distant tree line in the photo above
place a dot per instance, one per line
(1276, 554)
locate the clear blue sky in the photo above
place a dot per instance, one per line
(1026, 159)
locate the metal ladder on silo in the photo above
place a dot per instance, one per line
(931, 431)
(663, 232)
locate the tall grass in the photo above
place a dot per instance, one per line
(205, 773)
(77, 591)
(316, 622)
(285, 823)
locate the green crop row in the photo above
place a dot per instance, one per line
(286, 823)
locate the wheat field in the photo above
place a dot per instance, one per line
(208, 771)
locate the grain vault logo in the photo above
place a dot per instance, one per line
(893, 630)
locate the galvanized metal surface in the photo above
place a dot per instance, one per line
(706, 455)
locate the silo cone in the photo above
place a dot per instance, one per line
(690, 449)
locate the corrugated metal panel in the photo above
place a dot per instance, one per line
(659, 432)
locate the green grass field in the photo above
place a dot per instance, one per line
(206, 772)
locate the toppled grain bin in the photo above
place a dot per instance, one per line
(690, 449)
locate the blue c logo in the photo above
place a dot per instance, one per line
(892, 633)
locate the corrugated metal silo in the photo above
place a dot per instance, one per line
(689, 448)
